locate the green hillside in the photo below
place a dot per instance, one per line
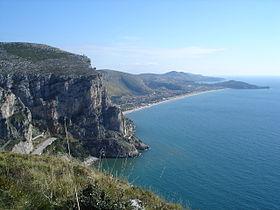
(120, 83)
(33, 52)
(135, 90)
(125, 84)
(176, 76)
(39, 58)
(44, 182)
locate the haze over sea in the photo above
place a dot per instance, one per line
(218, 150)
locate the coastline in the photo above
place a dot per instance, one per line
(170, 99)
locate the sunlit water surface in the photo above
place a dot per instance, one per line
(218, 150)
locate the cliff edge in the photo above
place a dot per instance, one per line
(45, 89)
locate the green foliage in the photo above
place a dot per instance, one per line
(19, 57)
(18, 118)
(120, 83)
(60, 147)
(44, 182)
(125, 84)
(34, 54)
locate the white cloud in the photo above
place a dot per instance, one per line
(130, 50)
(131, 57)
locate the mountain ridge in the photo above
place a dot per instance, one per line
(135, 90)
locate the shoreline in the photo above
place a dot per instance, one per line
(173, 98)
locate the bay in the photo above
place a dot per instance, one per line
(218, 150)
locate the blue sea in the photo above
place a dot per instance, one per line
(218, 150)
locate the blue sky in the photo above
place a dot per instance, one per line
(223, 37)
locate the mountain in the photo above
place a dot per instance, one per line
(133, 90)
(120, 83)
(125, 84)
(44, 182)
(180, 76)
(45, 90)
(239, 85)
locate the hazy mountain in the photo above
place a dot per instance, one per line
(124, 84)
(134, 90)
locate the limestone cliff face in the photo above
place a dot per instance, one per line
(15, 123)
(62, 90)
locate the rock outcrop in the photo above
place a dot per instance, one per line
(15, 123)
(62, 90)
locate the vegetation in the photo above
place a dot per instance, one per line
(125, 84)
(34, 52)
(135, 90)
(60, 147)
(120, 83)
(45, 182)
(33, 58)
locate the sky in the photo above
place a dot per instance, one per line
(222, 37)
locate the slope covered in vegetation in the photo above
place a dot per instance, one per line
(44, 182)
(126, 84)
(130, 91)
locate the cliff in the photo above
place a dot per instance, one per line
(15, 122)
(61, 92)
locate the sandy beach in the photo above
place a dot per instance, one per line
(169, 100)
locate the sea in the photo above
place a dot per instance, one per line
(217, 150)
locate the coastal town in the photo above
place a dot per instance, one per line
(132, 91)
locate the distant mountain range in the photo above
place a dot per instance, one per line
(120, 83)
(130, 90)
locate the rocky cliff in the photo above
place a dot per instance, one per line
(55, 90)
(15, 123)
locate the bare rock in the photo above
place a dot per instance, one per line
(15, 122)
(61, 89)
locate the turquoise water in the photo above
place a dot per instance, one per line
(218, 150)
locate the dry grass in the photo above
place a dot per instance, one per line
(44, 182)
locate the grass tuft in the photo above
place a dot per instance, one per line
(45, 182)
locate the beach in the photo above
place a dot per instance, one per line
(221, 140)
(169, 100)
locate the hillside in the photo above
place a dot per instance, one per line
(121, 83)
(39, 58)
(43, 182)
(176, 76)
(124, 84)
(134, 90)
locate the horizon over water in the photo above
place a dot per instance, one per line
(217, 150)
